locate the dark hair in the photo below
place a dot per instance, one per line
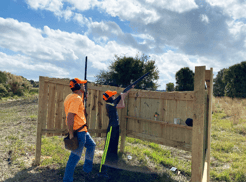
(110, 100)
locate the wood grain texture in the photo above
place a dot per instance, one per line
(198, 125)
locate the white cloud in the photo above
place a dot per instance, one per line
(81, 19)
(22, 65)
(236, 9)
(129, 10)
(82, 5)
(204, 18)
(54, 6)
(58, 47)
(179, 6)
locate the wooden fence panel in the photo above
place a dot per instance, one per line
(93, 110)
(51, 108)
(88, 108)
(58, 113)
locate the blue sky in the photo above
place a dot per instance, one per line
(52, 37)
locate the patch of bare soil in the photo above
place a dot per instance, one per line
(23, 129)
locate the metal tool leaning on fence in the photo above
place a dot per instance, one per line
(75, 118)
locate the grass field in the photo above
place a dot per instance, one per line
(18, 120)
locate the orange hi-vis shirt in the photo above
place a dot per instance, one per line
(74, 104)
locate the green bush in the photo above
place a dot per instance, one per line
(3, 90)
(33, 91)
(3, 77)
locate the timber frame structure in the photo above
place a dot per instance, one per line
(148, 115)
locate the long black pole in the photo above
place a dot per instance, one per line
(85, 98)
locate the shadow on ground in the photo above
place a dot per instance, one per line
(47, 174)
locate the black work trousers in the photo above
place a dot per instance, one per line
(112, 154)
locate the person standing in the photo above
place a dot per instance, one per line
(111, 108)
(75, 119)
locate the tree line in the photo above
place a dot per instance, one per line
(230, 82)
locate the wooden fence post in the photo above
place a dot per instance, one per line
(123, 124)
(42, 100)
(198, 125)
(210, 96)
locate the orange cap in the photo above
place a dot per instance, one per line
(76, 81)
(108, 94)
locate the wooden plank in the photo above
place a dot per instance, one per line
(160, 122)
(99, 115)
(88, 108)
(182, 111)
(123, 126)
(58, 113)
(63, 82)
(189, 95)
(51, 108)
(103, 89)
(198, 125)
(207, 75)
(162, 141)
(105, 118)
(66, 92)
(93, 110)
(45, 104)
(64, 131)
(131, 108)
(210, 97)
(42, 109)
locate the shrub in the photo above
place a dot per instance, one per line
(3, 90)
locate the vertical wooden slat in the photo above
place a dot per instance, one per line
(99, 105)
(93, 110)
(123, 125)
(51, 108)
(58, 113)
(105, 118)
(42, 109)
(210, 95)
(198, 125)
(88, 107)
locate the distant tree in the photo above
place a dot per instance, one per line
(219, 84)
(184, 80)
(235, 79)
(125, 70)
(3, 77)
(170, 87)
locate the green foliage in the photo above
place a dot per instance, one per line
(125, 70)
(34, 83)
(3, 90)
(170, 87)
(184, 80)
(3, 77)
(235, 78)
(13, 85)
(219, 84)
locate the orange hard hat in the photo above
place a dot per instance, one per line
(108, 94)
(75, 83)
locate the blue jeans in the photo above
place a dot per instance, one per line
(85, 140)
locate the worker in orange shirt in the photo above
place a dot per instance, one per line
(75, 119)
